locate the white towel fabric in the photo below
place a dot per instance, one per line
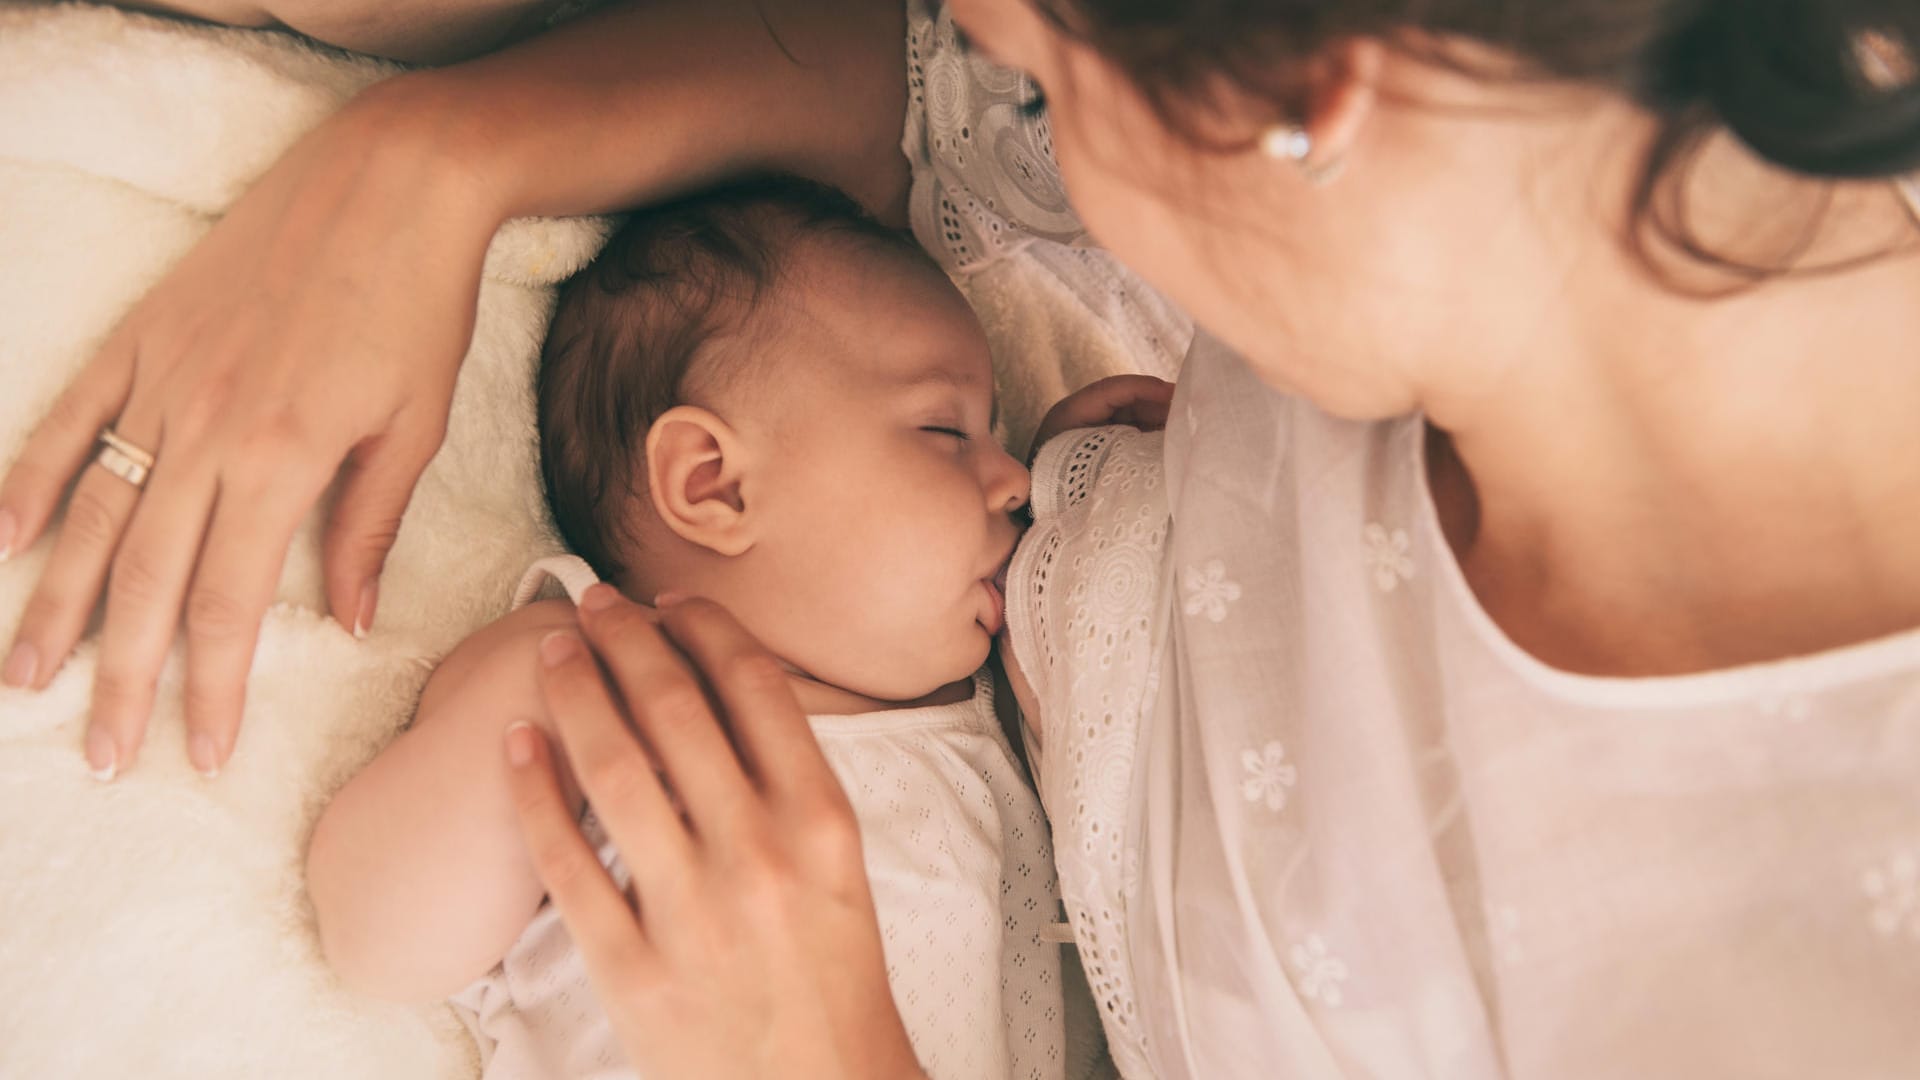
(159, 923)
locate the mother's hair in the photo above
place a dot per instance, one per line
(1825, 88)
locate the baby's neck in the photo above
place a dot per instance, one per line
(824, 699)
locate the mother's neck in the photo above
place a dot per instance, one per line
(1647, 483)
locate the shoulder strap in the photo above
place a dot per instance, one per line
(571, 571)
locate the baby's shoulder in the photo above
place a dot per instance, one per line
(497, 667)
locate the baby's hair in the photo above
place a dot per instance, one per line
(644, 318)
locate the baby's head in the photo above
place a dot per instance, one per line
(761, 396)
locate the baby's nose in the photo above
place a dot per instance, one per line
(1012, 487)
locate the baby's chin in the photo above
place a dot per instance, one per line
(948, 680)
(942, 681)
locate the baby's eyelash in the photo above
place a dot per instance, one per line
(955, 432)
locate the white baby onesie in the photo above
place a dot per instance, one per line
(957, 854)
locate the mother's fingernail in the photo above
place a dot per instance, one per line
(204, 755)
(9, 528)
(669, 598)
(558, 647)
(22, 664)
(599, 597)
(363, 615)
(103, 760)
(520, 737)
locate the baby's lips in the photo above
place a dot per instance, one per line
(997, 621)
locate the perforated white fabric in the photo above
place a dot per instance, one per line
(982, 162)
(1317, 817)
(959, 860)
(986, 191)
(1087, 576)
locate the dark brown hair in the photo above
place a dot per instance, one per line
(634, 326)
(1784, 76)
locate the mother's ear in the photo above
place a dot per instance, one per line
(696, 472)
(1343, 84)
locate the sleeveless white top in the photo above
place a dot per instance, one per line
(1316, 816)
(957, 856)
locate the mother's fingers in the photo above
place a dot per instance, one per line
(671, 709)
(70, 585)
(768, 725)
(148, 579)
(613, 769)
(62, 442)
(253, 525)
(62, 600)
(611, 942)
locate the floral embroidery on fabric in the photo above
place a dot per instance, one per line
(1321, 973)
(1209, 590)
(1269, 775)
(1894, 891)
(1388, 556)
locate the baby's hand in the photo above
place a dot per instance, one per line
(1139, 400)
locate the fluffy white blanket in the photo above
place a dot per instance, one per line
(159, 924)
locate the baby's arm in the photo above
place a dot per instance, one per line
(1140, 401)
(419, 877)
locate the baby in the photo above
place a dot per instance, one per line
(760, 396)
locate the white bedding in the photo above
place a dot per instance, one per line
(157, 926)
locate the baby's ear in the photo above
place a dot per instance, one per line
(695, 468)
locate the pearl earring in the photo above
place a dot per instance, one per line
(1291, 142)
(1286, 142)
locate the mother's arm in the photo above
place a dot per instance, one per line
(317, 329)
(414, 31)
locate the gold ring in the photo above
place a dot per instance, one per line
(123, 459)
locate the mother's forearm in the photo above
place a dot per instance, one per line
(639, 101)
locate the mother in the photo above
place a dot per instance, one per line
(1531, 684)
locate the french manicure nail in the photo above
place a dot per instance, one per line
(599, 597)
(103, 761)
(520, 738)
(204, 755)
(9, 528)
(22, 664)
(363, 618)
(556, 648)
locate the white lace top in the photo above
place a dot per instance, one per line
(1315, 816)
(957, 855)
(987, 203)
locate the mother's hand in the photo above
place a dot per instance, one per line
(315, 330)
(749, 945)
